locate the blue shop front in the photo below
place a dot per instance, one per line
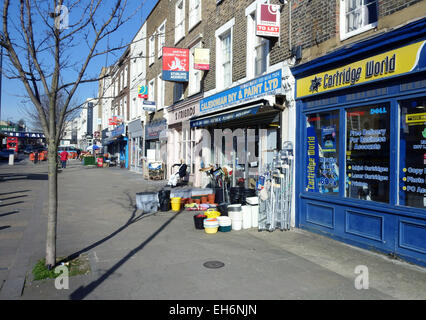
(117, 146)
(361, 132)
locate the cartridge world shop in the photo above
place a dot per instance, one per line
(361, 128)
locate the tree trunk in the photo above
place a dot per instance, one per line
(52, 206)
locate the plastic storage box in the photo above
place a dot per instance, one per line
(147, 202)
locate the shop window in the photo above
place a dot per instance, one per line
(357, 16)
(367, 153)
(412, 163)
(322, 168)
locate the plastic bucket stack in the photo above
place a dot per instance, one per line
(176, 202)
(225, 224)
(211, 225)
(236, 215)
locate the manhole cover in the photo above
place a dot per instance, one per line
(213, 264)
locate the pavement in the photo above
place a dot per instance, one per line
(161, 256)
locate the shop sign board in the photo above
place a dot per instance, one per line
(268, 20)
(143, 92)
(115, 120)
(268, 84)
(117, 131)
(184, 113)
(149, 106)
(202, 59)
(400, 61)
(23, 134)
(175, 64)
(153, 129)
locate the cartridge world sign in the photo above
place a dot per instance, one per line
(396, 62)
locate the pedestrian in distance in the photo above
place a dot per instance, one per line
(64, 158)
(36, 157)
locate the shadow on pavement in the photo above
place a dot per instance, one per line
(10, 198)
(7, 193)
(4, 227)
(9, 213)
(10, 204)
(33, 176)
(83, 291)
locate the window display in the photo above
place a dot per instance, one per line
(367, 155)
(412, 186)
(322, 169)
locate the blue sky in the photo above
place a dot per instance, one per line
(12, 90)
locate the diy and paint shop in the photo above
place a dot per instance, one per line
(361, 128)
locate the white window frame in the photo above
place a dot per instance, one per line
(194, 85)
(343, 21)
(160, 93)
(194, 13)
(151, 90)
(179, 21)
(151, 49)
(254, 41)
(161, 34)
(126, 71)
(219, 34)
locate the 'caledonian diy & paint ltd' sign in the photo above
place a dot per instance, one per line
(396, 62)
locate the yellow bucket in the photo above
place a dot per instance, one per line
(211, 214)
(176, 202)
(211, 230)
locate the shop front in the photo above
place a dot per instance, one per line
(136, 131)
(117, 146)
(241, 130)
(181, 137)
(361, 128)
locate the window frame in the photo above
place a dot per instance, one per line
(227, 28)
(151, 50)
(254, 41)
(194, 14)
(179, 27)
(161, 35)
(343, 20)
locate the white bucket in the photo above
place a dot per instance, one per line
(246, 217)
(254, 216)
(237, 224)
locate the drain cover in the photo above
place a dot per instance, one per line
(213, 264)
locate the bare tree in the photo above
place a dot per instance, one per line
(50, 55)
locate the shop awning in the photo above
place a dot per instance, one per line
(225, 116)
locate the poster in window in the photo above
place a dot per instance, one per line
(412, 186)
(367, 154)
(322, 169)
(175, 64)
